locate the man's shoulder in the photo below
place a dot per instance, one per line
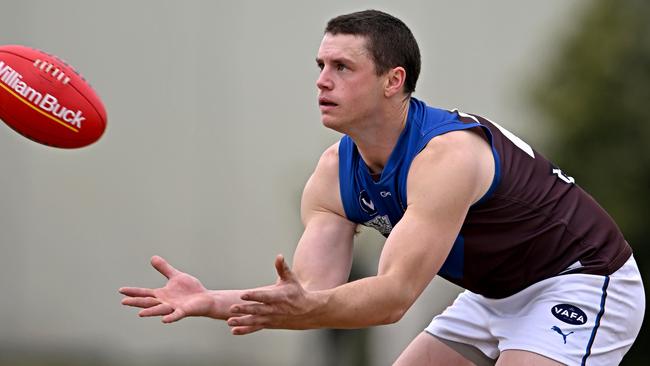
(329, 159)
(321, 192)
(456, 154)
(332, 152)
(456, 141)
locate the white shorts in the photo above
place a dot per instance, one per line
(575, 319)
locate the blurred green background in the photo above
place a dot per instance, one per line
(200, 162)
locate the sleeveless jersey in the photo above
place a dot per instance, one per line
(533, 223)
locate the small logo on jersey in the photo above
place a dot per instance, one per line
(569, 314)
(366, 203)
(558, 330)
(381, 223)
(384, 194)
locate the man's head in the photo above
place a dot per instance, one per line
(388, 40)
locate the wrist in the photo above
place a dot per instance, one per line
(219, 307)
(316, 316)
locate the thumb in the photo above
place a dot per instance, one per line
(161, 265)
(176, 315)
(281, 266)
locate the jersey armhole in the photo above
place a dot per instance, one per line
(345, 177)
(497, 168)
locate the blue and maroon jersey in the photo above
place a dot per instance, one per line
(533, 223)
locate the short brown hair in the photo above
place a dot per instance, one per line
(390, 41)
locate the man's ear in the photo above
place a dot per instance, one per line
(395, 79)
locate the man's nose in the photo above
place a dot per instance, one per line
(324, 81)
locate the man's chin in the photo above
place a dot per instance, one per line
(331, 122)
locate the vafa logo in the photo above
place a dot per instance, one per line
(569, 314)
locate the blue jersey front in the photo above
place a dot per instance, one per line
(381, 204)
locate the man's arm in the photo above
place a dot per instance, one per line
(449, 175)
(183, 295)
(322, 259)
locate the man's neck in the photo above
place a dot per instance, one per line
(376, 142)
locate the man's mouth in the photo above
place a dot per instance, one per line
(324, 102)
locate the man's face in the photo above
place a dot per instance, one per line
(350, 91)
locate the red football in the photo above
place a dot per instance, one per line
(46, 100)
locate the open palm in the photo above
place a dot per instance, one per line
(182, 296)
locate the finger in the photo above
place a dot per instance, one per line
(263, 296)
(252, 309)
(246, 330)
(163, 267)
(136, 291)
(248, 320)
(140, 302)
(282, 268)
(177, 315)
(158, 310)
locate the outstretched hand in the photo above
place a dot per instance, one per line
(182, 296)
(286, 305)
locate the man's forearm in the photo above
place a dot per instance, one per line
(366, 302)
(224, 299)
(370, 301)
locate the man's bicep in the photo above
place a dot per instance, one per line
(414, 252)
(444, 181)
(323, 257)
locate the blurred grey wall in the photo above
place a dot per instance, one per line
(213, 130)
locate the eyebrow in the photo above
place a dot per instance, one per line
(342, 60)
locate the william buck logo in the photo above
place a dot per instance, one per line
(32, 97)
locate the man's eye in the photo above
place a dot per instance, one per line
(320, 66)
(341, 67)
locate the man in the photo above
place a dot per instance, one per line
(550, 279)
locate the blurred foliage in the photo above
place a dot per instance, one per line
(596, 98)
